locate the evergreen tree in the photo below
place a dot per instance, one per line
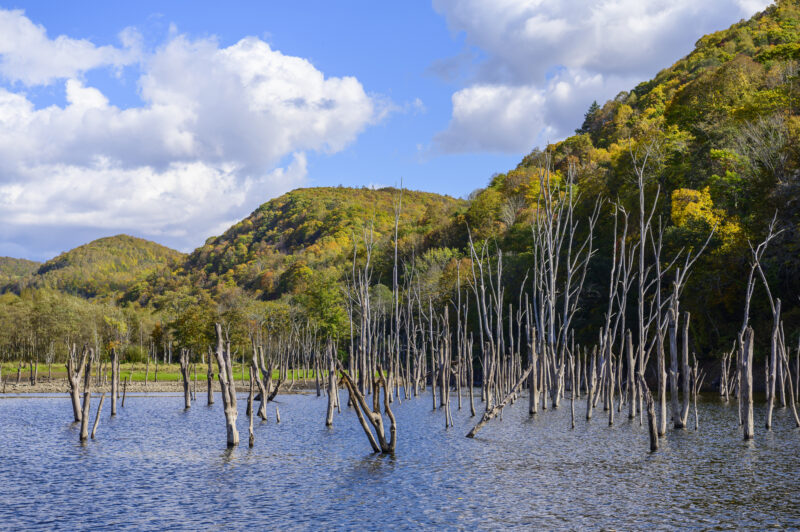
(588, 118)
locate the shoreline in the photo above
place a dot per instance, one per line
(62, 386)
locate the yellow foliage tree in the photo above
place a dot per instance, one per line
(690, 206)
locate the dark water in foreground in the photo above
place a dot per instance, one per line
(156, 466)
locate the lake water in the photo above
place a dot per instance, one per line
(156, 466)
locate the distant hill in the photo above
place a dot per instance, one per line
(103, 267)
(15, 269)
(313, 227)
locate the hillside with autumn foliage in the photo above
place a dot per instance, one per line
(103, 268)
(724, 125)
(721, 128)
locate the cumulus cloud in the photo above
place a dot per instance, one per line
(549, 60)
(514, 118)
(27, 55)
(219, 131)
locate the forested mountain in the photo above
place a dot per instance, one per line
(306, 237)
(102, 268)
(313, 228)
(725, 131)
(721, 129)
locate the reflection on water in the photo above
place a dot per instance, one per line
(155, 466)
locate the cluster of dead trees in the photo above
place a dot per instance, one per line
(79, 368)
(528, 340)
(500, 345)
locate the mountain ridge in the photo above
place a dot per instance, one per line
(99, 268)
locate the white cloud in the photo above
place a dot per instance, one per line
(209, 142)
(175, 201)
(27, 55)
(515, 118)
(556, 51)
(494, 117)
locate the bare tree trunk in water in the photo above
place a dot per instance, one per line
(250, 405)
(471, 380)
(493, 412)
(259, 382)
(747, 384)
(591, 379)
(97, 416)
(210, 377)
(673, 368)
(331, 388)
(651, 414)
(611, 376)
(374, 414)
(125, 390)
(74, 379)
(316, 374)
(697, 383)
(87, 397)
(114, 381)
(184, 360)
(572, 387)
(773, 363)
(632, 397)
(686, 372)
(226, 382)
(533, 383)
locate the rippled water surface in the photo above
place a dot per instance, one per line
(157, 466)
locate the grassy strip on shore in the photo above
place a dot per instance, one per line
(138, 372)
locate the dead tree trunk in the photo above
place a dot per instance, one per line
(611, 383)
(632, 397)
(494, 411)
(74, 379)
(747, 383)
(252, 439)
(697, 383)
(591, 379)
(254, 365)
(686, 372)
(572, 387)
(651, 414)
(87, 397)
(773, 363)
(210, 377)
(184, 360)
(125, 389)
(97, 416)
(226, 382)
(331, 388)
(673, 368)
(114, 380)
(374, 414)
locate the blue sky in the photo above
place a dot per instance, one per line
(172, 120)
